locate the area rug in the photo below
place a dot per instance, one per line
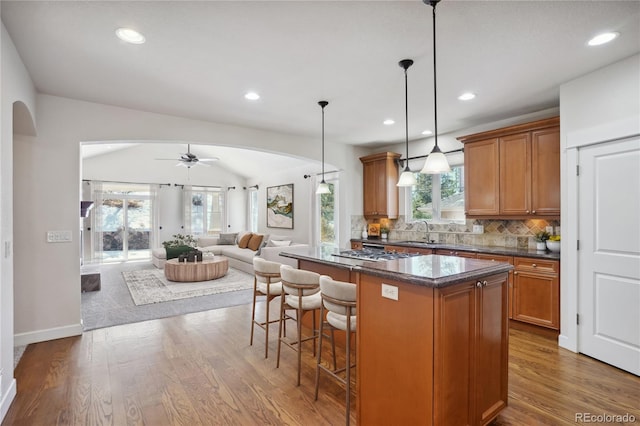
(151, 286)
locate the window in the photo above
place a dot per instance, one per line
(206, 211)
(438, 198)
(327, 216)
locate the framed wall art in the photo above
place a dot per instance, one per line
(280, 206)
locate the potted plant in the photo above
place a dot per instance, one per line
(384, 232)
(541, 238)
(179, 245)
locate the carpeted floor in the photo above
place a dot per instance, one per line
(113, 305)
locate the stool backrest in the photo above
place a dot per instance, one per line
(264, 269)
(338, 296)
(299, 281)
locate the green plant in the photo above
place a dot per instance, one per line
(180, 240)
(541, 236)
(384, 230)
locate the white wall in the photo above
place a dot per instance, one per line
(602, 105)
(17, 89)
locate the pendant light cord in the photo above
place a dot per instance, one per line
(322, 105)
(435, 90)
(406, 115)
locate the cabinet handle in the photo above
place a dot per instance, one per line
(478, 284)
(534, 212)
(534, 265)
(484, 283)
(527, 211)
(515, 273)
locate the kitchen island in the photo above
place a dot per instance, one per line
(432, 336)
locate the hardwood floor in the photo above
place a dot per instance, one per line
(198, 369)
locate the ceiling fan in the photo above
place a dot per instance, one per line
(189, 160)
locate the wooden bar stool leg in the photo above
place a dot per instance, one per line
(253, 312)
(266, 327)
(280, 330)
(319, 358)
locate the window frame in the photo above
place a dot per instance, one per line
(436, 201)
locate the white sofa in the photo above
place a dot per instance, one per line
(239, 258)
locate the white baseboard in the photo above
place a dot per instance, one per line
(567, 343)
(23, 339)
(7, 399)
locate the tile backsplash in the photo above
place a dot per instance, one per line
(498, 233)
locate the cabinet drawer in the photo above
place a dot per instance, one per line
(446, 252)
(496, 257)
(536, 265)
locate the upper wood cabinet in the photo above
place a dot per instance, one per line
(513, 172)
(379, 178)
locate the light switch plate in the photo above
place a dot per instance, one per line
(58, 236)
(390, 291)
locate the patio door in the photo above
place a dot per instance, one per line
(123, 223)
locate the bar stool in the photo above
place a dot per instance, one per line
(301, 293)
(267, 283)
(339, 302)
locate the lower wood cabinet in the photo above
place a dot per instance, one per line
(404, 249)
(502, 258)
(447, 252)
(438, 356)
(471, 357)
(536, 292)
(356, 245)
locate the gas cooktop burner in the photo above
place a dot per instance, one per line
(374, 255)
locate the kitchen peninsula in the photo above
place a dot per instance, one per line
(432, 336)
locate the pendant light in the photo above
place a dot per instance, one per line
(436, 161)
(407, 178)
(323, 188)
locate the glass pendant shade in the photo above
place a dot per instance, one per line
(436, 163)
(407, 178)
(323, 188)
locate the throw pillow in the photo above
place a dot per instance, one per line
(276, 243)
(227, 239)
(173, 252)
(255, 241)
(244, 241)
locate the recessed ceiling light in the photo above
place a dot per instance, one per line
(427, 132)
(467, 96)
(130, 36)
(252, 96)
(388, 122)
(602, 39)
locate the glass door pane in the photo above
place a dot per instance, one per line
(110, 230)
(137, 244)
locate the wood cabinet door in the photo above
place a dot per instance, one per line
(536, 298)
(545, 172)
(492, 354)
(369, 188)
(502, 258)
(515, 172)
(481, 178)
(454, 354)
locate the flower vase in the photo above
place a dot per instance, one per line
(541, 245)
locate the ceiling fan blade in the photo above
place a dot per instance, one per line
(200, 163)
(209, 159)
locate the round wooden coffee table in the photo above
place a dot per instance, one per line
(208, 269)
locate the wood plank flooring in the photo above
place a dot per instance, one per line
(198, 369)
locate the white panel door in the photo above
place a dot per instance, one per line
(609, 255)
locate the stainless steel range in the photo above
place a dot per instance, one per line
(375, 253)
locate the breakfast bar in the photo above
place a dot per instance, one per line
(432, 336)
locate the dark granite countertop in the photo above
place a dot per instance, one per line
(427, 270)
(505, 251)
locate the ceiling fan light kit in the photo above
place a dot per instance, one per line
(189, 160)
